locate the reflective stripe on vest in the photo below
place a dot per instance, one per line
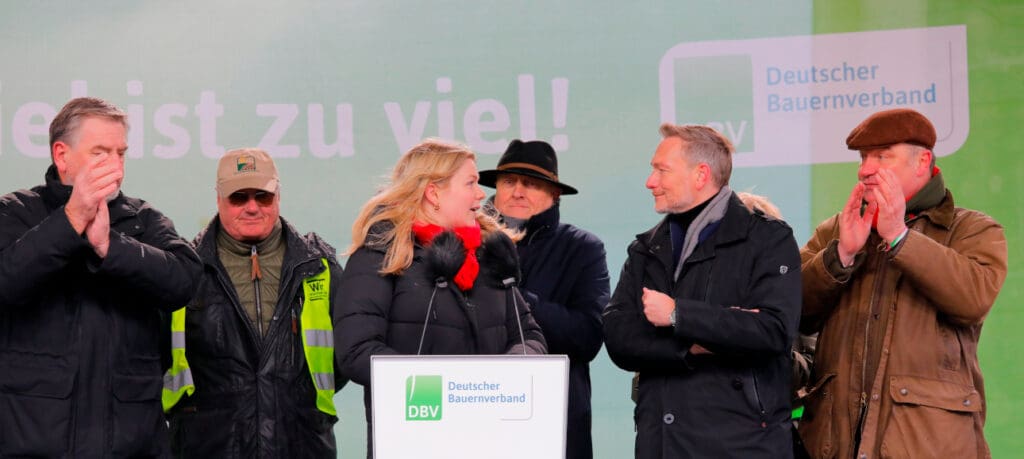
(178, 379)
(317, 345)
(318, 336)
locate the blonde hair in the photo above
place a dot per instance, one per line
(761, 203)
(400, 201)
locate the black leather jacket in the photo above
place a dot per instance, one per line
(253, 398)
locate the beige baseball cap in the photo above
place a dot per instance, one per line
(246, 168)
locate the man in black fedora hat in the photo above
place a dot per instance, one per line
(565, 275)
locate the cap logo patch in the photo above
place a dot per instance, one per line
(246, 163)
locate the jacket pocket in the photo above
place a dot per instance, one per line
(139, 427)
(931, 418)
(817, 427)
(202, 432)
(36, 410)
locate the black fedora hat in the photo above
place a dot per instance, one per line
(533, 159)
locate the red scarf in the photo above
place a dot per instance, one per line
(470, 237)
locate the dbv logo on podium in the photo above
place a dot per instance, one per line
(423, 395)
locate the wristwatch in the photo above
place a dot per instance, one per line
(672, 318)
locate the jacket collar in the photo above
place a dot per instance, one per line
(55, 193)
(942, 214)
(296, 250)
(732, 227)
(542, 221)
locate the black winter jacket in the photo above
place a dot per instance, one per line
(384, 315)
(734, 402)
(80, 336)
(565, 280)
(253, 398)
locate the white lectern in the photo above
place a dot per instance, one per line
(472, 406)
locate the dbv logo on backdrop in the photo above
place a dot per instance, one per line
(423, 398)
(716, 91)
(793, 100)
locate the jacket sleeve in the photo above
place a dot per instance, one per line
(33, 249)
(774, 291)
(633, 343)
(574, 328)
(532, 337)
(339, 377)
(823, 277)
(159, 264)
(360, 330)
(962, 280)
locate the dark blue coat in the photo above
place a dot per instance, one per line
(734, 402)
(565, 280)
(80, 336)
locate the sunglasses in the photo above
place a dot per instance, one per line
(241, 198)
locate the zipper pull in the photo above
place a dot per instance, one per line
(295, 324)
(254, 256)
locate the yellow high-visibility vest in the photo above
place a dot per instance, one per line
(317, 346)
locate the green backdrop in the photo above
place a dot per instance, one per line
(336, 90)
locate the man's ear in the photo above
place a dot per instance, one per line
(58, 152)
(702, 175)
(925, 160)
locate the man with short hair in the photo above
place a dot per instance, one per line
(564, 272)
(706, 310)
(86, 275)
(254, 373)
(899, 283)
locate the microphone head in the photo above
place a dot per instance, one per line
(499, 255)
(445, 256)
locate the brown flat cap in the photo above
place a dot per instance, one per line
(889, 127)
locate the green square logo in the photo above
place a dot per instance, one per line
(423, 398)
(717, 91)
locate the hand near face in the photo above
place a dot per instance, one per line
(658, 307)
(98, 179)
(854, 227)
(98, 231)
(892, 205)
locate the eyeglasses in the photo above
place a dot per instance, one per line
(241, 198)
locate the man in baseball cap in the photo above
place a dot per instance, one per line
(565, 275)
(899, 283)
(258, 352)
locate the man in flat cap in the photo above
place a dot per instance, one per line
(899, 283)
(253, 371)
(565, 275)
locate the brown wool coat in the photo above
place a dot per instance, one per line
(927, 397)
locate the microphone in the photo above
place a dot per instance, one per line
(444, 258)
(500, 255)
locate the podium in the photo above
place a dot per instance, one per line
(469, 406)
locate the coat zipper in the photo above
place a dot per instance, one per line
(875, 296)
(757, 397)
(259, 301)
